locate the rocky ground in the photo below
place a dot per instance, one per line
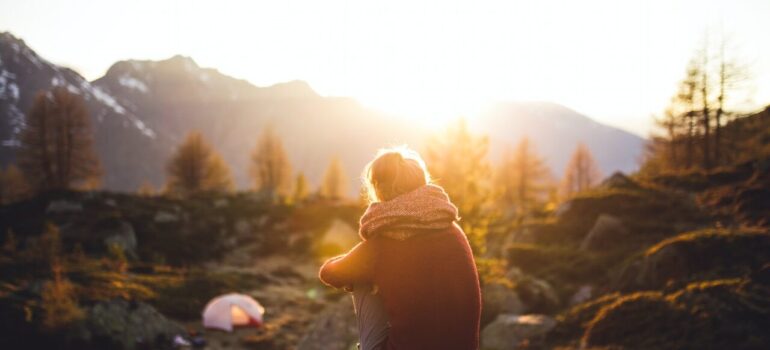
(667, 262)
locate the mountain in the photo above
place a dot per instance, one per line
(121, 139)
(556, 131)
(175, 96)
(142, 109)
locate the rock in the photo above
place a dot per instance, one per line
(619, 180)
(707, 254)
(242, 227)
(262, 221)
(499, 299)
(119, 324)
(522, 235)
(583, 294)
(537, 295)
(606, 232)
(165, 217)
(63, 206)
(762, 276)
(563, 209)
(509, 331)
(119, 233)
(335, 328)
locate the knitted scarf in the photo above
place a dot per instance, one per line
(427, 207)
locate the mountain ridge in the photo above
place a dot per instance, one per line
(143, 108)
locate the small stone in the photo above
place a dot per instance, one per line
(64, 207)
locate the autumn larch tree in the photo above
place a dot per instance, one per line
(301, 189)
(13, 185)
(270, 167)
(335, 181)
(523, 179)
(458, 161)
(582, 172)
(57, 144)
(197, 168)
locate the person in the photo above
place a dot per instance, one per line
(413, 277)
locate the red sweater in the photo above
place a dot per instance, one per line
(428, 283)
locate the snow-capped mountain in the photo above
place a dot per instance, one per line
(142, 109)
(117, 130)
(175, 96)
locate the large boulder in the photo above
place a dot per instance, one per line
(718, 314)
(499, 298)
(119, 233)
(704, 254)
(163, 217)
(582, 295)
(537, 295)
(619, 180)
(605, 233)
(510, 332)
(334, 329)
(119, 324)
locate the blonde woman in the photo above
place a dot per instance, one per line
(413, 277)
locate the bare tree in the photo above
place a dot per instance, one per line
(732, 75)
(57, 143)
(695, 119)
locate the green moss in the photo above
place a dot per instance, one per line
(706, 254)
(573, 322)
(721, 314)
(560, 262)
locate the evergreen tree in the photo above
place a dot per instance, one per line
(57, 143)
(335, 181)
(195, 167)
(270, 167)
(582, 172)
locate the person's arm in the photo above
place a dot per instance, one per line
(357, 266)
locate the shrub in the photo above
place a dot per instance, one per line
(60, 308)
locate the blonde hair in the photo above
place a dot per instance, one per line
(394, 171)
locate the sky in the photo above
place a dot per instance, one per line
(618, 62)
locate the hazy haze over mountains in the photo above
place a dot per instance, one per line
(142, 109)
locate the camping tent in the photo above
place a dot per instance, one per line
(229, 310)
